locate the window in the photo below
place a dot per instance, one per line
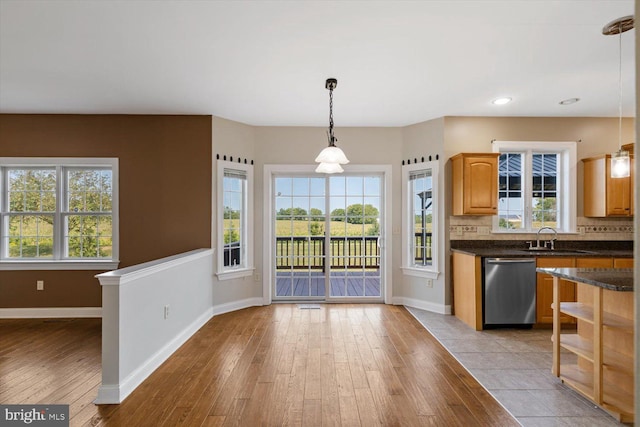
(536, 186)
(420, 236)
(235, 220)
(58, 213)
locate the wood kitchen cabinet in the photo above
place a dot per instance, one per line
(623, 263)
(605, 196)
(544, 289)
(594, 262)
(475, 183)
(467, 289)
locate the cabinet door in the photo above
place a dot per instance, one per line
(480, 185)
(594, 262)
(623, 263)
(544, 296)
(618, 196)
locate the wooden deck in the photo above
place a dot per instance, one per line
(311, 284)
(277, 365)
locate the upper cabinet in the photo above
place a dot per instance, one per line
(475, 183)
(605, 196)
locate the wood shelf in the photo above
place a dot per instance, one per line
(609, 378)
(583, 347)
(576, 344)
(614, 321)
(578, 378)
(578, 310)
(585, 312)
(582, 381)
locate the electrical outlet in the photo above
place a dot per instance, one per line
(429, 283)
(256, 277)
(40, 285)
(166, 311)
(459, 230)
(581, 230)
(483, 231)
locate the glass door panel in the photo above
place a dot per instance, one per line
(327, 233)
(299, 229)
(354, 252)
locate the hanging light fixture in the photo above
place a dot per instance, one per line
(332, 157)
(620, 160)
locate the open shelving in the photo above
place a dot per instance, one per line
(604, 372)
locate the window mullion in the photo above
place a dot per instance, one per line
(4, 203)
(58, 252)
(528, 189)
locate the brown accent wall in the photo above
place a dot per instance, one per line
(165, 191)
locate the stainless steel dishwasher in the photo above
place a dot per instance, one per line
(509, 291)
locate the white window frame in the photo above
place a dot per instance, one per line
(246, 267)
(409, 267)
(566, 187)
(59, 261)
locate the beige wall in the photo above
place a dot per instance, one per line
(595, 136)
(165, 179)
(232, 139)
(301, 145)
(423, 140)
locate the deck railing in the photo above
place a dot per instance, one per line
(303, 252)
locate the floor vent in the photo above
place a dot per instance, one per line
(309, 306)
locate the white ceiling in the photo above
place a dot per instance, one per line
(265, 62)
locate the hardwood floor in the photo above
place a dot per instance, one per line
(277, 365)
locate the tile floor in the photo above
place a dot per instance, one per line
(514, 365)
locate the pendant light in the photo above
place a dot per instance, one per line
(332, 157)
(620, 160)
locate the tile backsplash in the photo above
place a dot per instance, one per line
(479, 228)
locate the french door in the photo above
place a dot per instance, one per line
(326, 239)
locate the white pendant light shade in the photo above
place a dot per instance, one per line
(329, 168)
(620, 164)
(332, 154)
(331, 157)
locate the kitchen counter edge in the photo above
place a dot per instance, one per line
(614, 279)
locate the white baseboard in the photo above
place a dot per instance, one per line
(116, 393)
(50, 312)
(237, 305)
(422, 305)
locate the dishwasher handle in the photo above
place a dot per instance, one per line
(510, 260)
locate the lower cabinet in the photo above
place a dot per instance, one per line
(623, 263)
(467, 286)
(544, 290)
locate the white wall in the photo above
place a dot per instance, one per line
(137, 335)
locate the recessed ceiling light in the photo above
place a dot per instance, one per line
(501, 101)
(569, 101)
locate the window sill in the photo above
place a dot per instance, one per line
(235, 274)
(59, 265)
(420, 272)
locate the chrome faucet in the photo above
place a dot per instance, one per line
(551, 241)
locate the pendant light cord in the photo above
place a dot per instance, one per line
(620, 88)
(331, 137)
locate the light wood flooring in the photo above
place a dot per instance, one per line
(276, 365)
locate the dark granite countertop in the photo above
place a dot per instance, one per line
(518, 249)
(615, 279)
